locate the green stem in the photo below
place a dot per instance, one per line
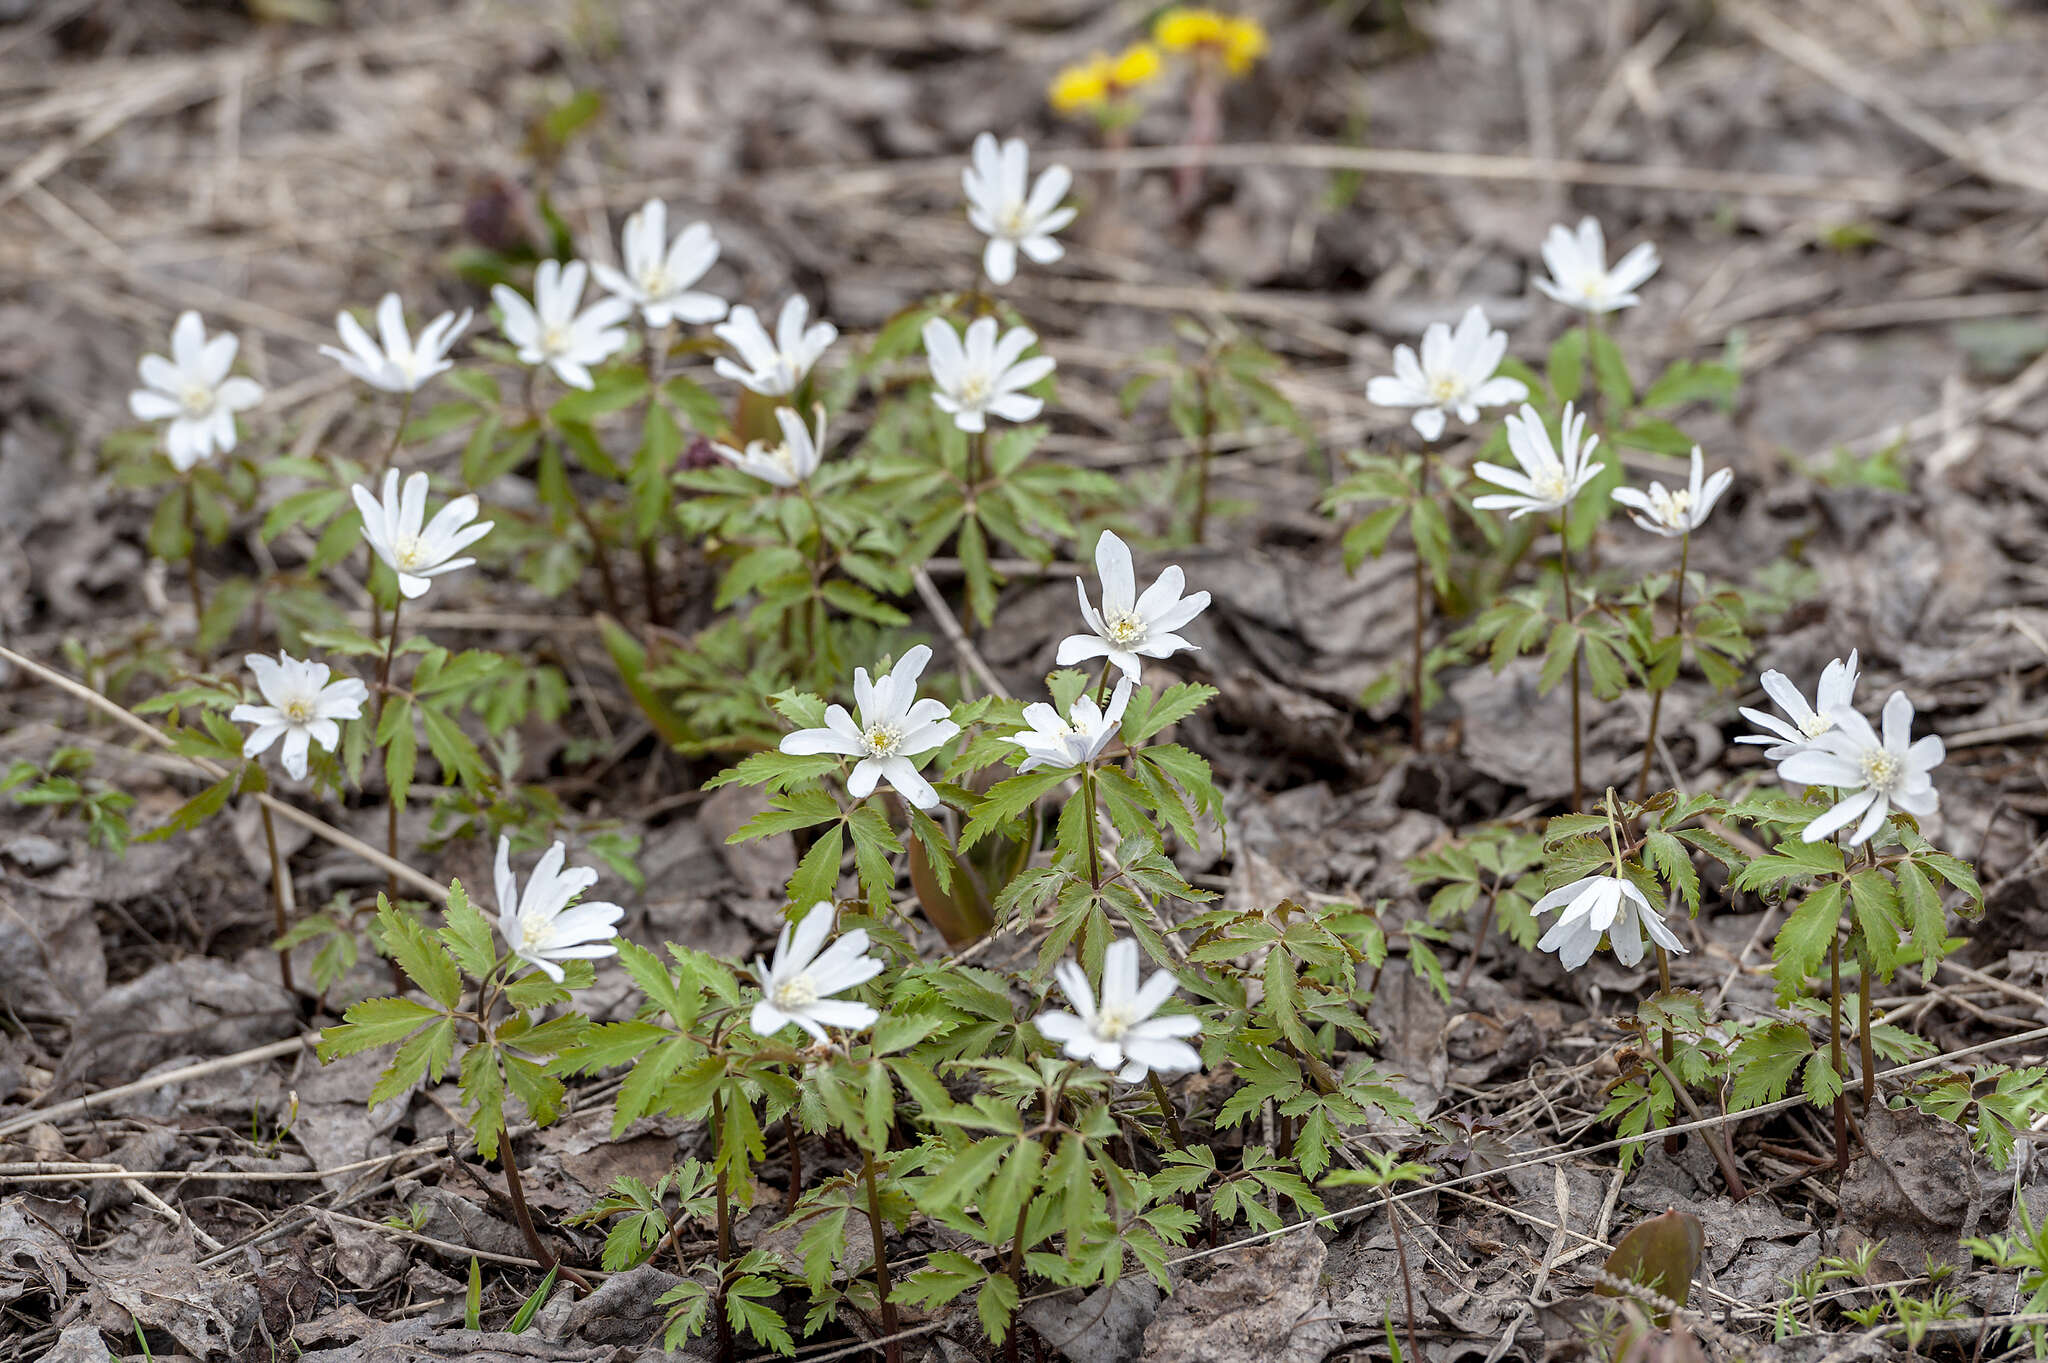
(1401, 1253)
(1564, 569)
(397, 435)
(1865, 1048)
(1415, 734)
(1657, 700)
(724, 1218)
(1835, 1051)
(1204, 453)
(392, 801)
(1166, 1109)
(1094, 834)
(192, 562)
(284, 956)
(893, 1351)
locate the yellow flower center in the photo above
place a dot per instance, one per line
(555, 339)
(1881, 769)
(1550, 486)
(800, 992)
(197, 399)
(882, 740)
(1446, 389)
(297, 711)
(536, 930)
(1112, 1023)
(1124, 630)
(1815, 725)
(974, 389)
(407, 555)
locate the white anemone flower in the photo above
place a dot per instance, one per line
(787, 464)
(1120, 1034)
(1131, 626)
(1876, 775)
(1550, 476)
(659, 274)
(895, 726)
(1836, 692)
(1579, 277)
(986, 377)
(773, 366)
(555, 329)
(1596, 905)
(395, 362)
(301, 707)
(799, 984)
(1013, 219)
(194, 392)
(1454, 374)
(1074, 740)
(415, 548)
(539, 926)
(1672, 514)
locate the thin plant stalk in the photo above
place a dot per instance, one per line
(724, 1231)
(606, 583)
(1165, 1101)
(892, 1351)
(284, 957)
(1866, 1051)
(650, 563)
(791, 1135)
(1668, 1046)
(1835, 1052)
(397, 435)
(1415, 733)
(1094, 833)
(1657, 698)
(1401, 1253)
(1564, 571)
(192, 560)
(1205, 453)
(517, 1190)
(383, 694)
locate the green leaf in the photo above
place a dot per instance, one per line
(1803, 941)
(423, 1056)
(1005, 801)
(423, 959)
(1566, 368)
(373, 1023)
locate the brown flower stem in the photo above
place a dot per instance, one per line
(1415, 734)
(724, 1233)
(1835, 1052)
(1657, 699)
(1166, 1110)
(796, 1163)
(1669, 1047)
(1564, 570)
(192, 562)
(1865, 1049)
(284, 957)
(517, 1190)
(892, 1351)
(1205, 453)
(1401, 1253)
(1094, 833)
(1723, 1157)
(1016, 1277)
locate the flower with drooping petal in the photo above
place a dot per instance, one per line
(1454, 374)
(1596, 905)
(774, 366)
(1676, 513)
(301, 707)
(1075, 740)
(539, 926)
(394, 362)
(786, 464)
(1549, 478)
(1836, 692)
(1013, 219)
(895, 726)
(659, 274)
(1121, 1034)
(194, 392)
(415, 548)
(1876, 775)
(799, 984)
(555, 329)
(985, 377)
(1579, 277)
(1131, 626)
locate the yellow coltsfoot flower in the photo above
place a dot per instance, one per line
(1238, 42)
